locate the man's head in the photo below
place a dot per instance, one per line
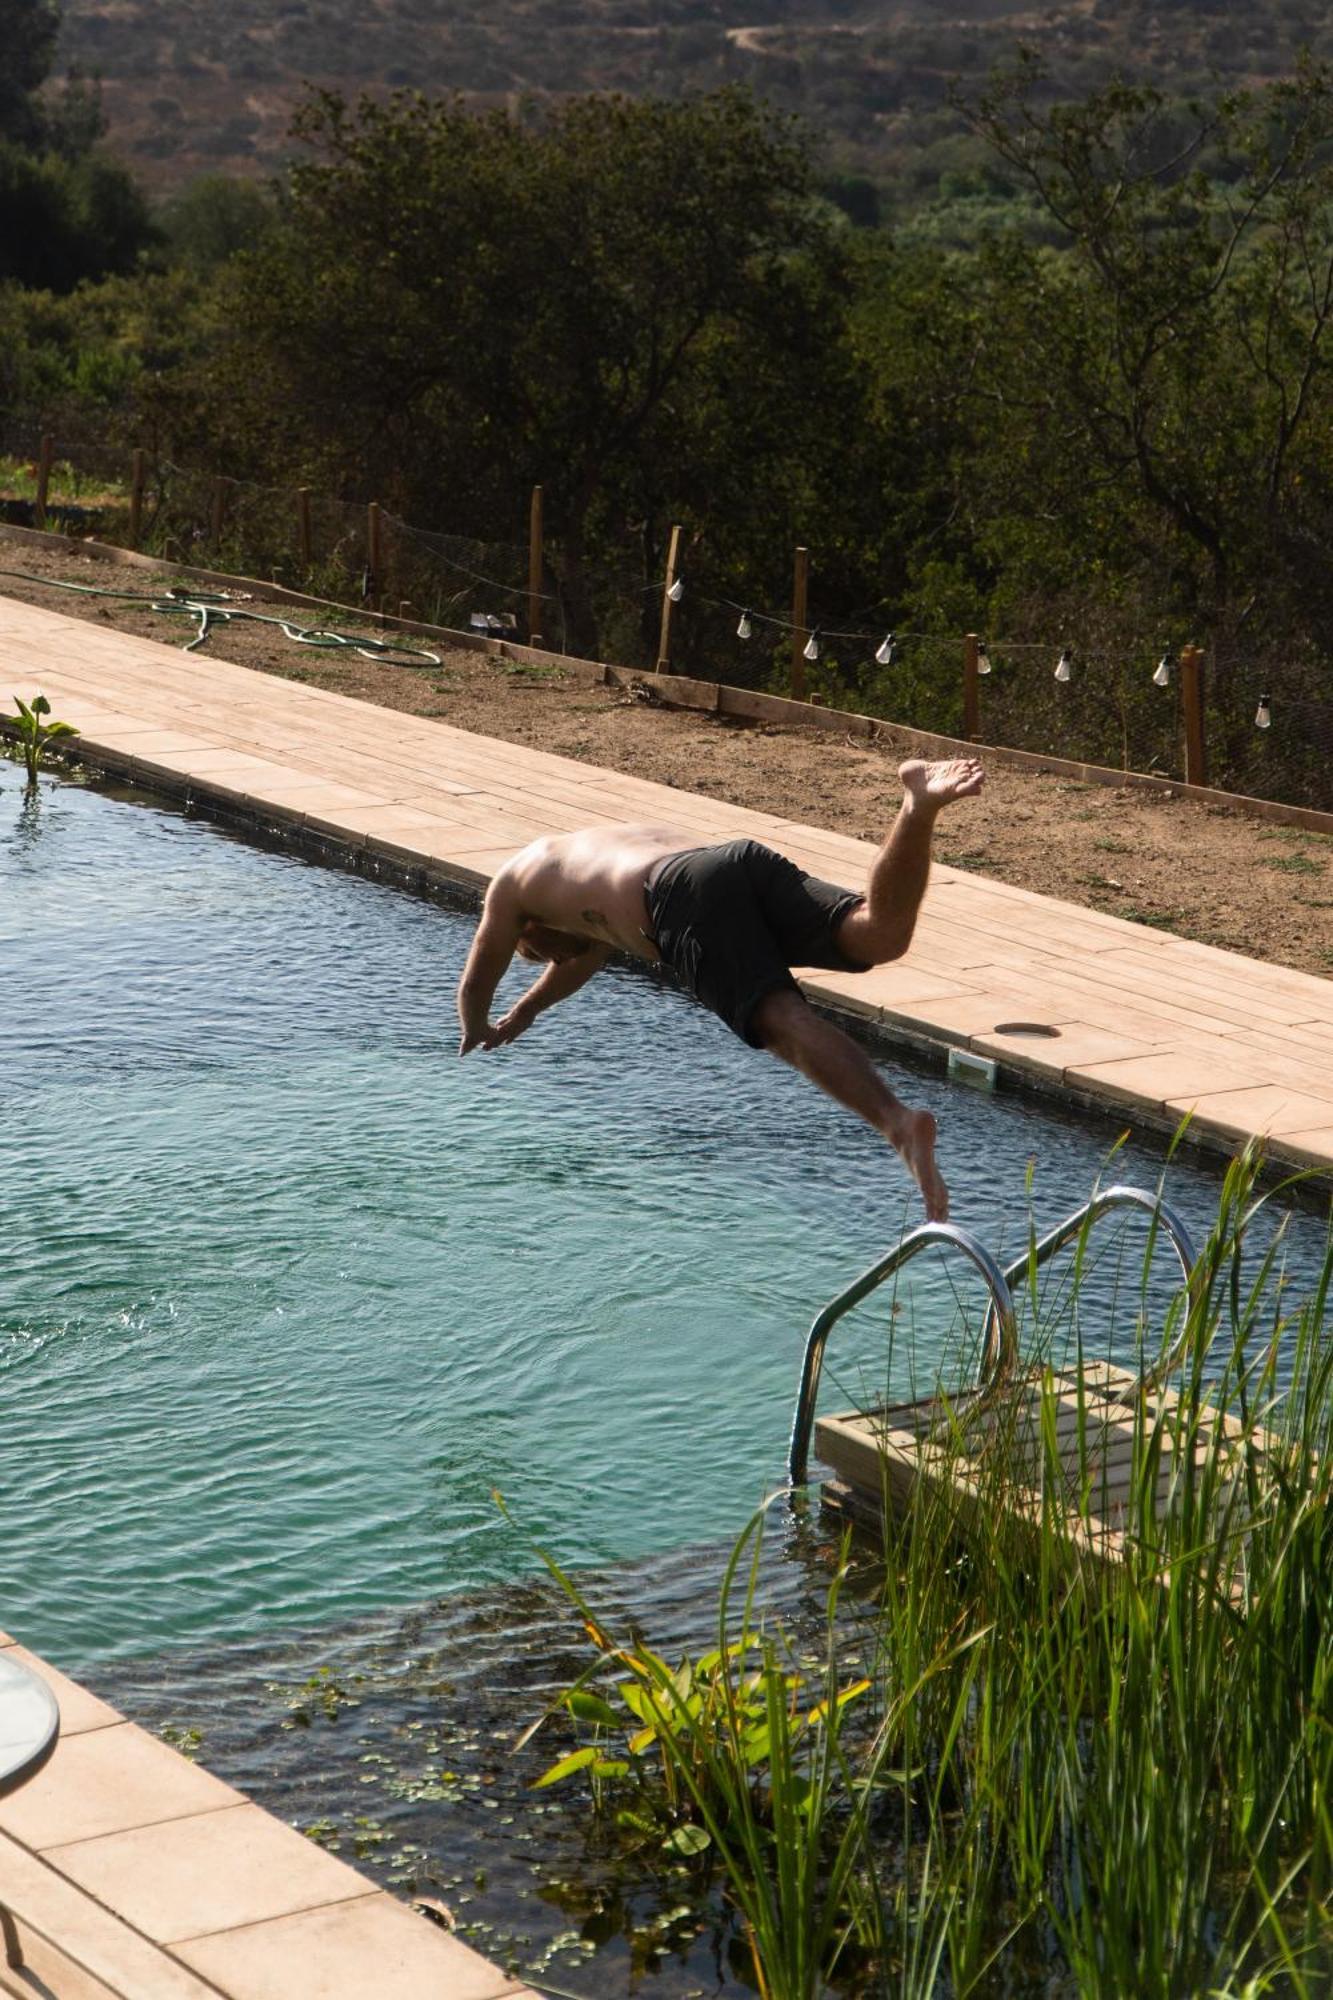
(541, 945)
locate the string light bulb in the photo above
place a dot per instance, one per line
(811, 648)
(676, 589)
(1064, 666)
(887, 650)
(1162, 677)
(1263, 715)
(745, 629)
(983, 658)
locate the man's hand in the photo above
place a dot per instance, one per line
(495, 1034)
(487, 1038)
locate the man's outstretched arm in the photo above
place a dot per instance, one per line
(556, 982)
(487, 962)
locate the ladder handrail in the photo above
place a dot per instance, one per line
(999, 1348)
(1001, 1313)
(995, 1360)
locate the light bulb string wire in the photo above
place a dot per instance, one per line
(1078, 655)
(1072, 658)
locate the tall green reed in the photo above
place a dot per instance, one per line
(1095, 1756)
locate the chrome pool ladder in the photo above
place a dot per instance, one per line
(999, 1341)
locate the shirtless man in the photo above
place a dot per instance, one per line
(730, 921)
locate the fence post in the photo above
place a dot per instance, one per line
(535, 541)
(136, 496)
(303, 535)
(800, 632)
(1191, 695)
(374, 555)
(971, 688)
(44, 457)
(668, 604)
(219, 509)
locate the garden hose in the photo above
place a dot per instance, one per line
(208, 608)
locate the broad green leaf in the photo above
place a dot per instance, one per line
(636, 1700)
(591, 1708)
(687, 1840)
(577, 1760)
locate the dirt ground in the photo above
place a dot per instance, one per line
(1203, 871)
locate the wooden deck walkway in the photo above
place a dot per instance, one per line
(1129, 1017)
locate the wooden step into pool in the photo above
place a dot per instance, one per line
(1060, 1444)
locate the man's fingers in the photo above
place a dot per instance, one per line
(491, 1039)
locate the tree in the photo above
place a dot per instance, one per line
(62, 221)
(636, 304)
(28, 31)
(1173, 364)
(66, 211)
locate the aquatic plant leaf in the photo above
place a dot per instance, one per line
(587, 1707)
(687, 1840)
(565, 1767)
(637, 1701)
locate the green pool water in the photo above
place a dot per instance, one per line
(288, 1291)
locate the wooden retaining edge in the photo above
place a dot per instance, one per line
(711, 697)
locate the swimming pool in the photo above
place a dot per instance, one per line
(288, 1290)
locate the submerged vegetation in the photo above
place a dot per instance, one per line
(1019, 1766)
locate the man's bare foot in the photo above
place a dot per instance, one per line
(915, 1141)
(936, 785)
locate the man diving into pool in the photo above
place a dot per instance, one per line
(730, 922)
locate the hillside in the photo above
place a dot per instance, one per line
(190, 88)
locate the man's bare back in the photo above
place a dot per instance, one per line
(731, 921)
(589, 885)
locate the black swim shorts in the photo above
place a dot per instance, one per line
(732, 921)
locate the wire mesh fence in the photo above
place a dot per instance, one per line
(1111, 699)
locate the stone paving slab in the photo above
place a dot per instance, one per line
(1144, 1022)
(133, 1874)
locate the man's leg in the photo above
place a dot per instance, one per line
(881, 927)
(785, 1025)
